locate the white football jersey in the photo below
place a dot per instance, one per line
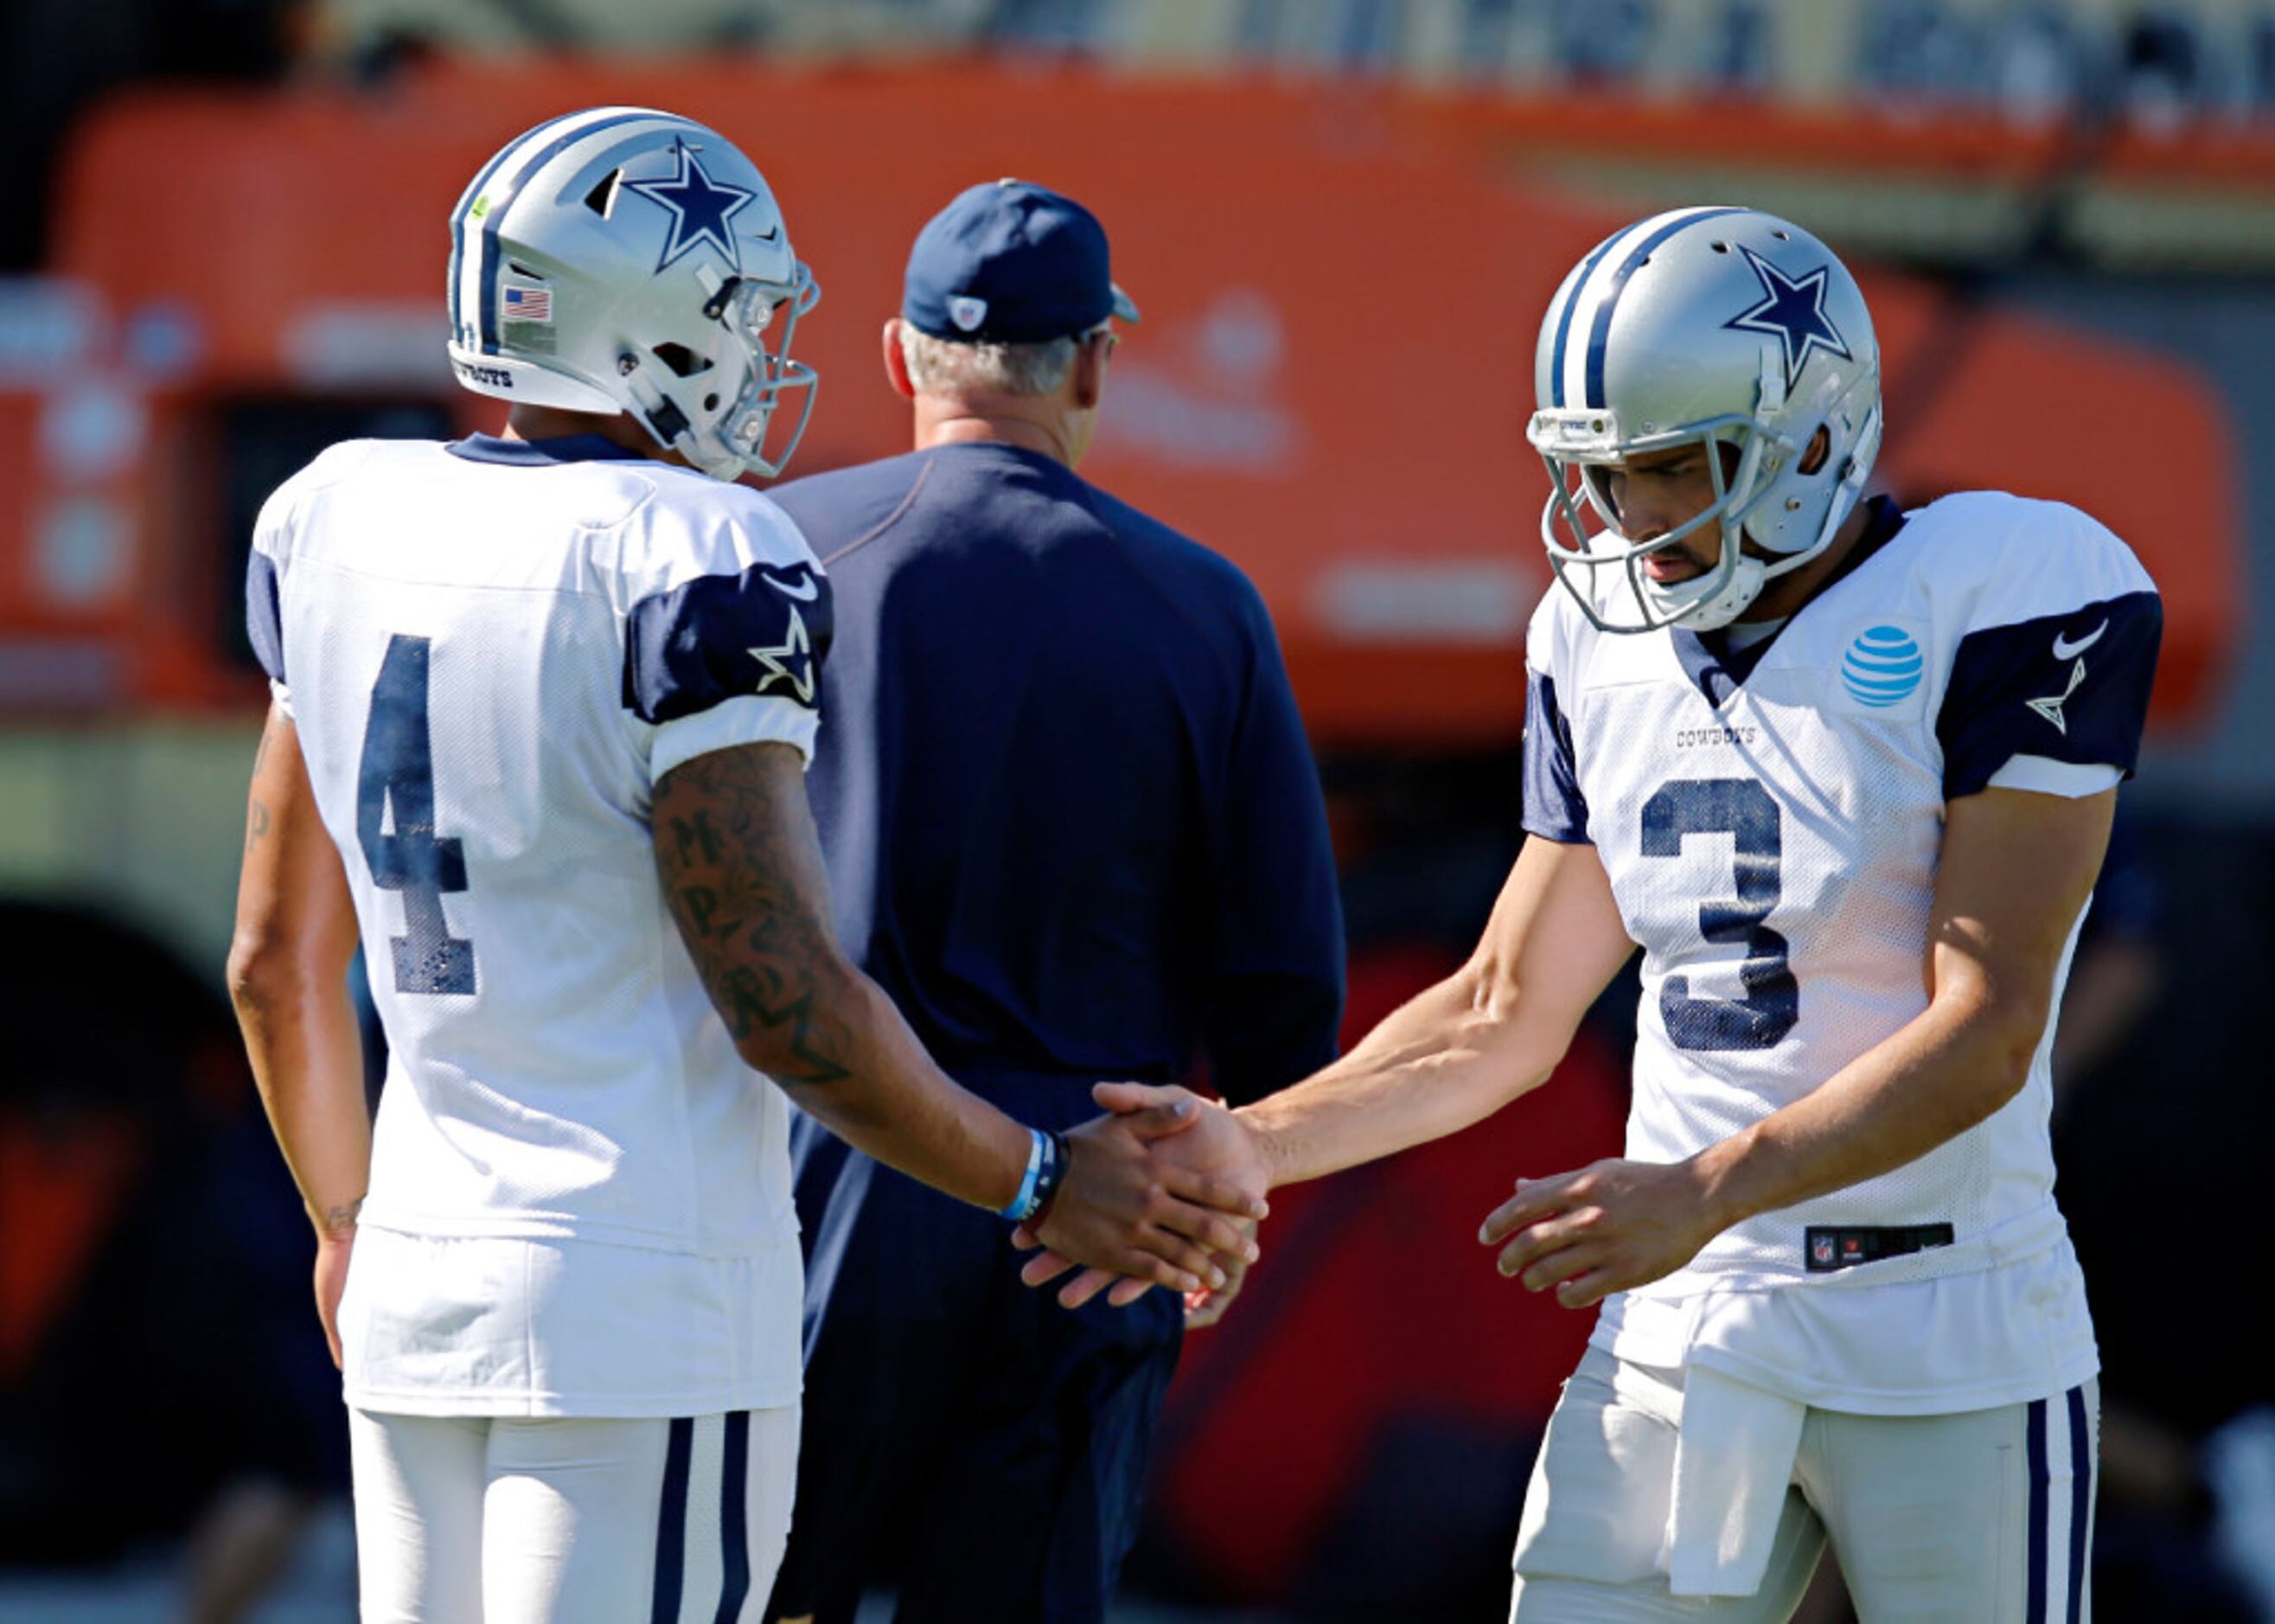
(1771, 823)
(579, 1199)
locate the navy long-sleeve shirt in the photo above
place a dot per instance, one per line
(1071, 818)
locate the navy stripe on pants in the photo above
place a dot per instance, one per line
(671, 1524)
(2075, 1560)
(2081, 1501)
(734, 1527)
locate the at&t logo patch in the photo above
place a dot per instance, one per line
(1882, 667)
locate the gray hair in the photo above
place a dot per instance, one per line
(943, 366)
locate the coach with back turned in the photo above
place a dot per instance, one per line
(1073, 827)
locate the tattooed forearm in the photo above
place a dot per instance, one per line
(256, 824)
(694, 837)
(735, 851)
(756, 1002)
(698, 904)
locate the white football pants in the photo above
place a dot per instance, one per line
(1980, 1517)
(490, 1520)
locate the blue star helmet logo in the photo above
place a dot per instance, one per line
(700, 209)
(1792, 311)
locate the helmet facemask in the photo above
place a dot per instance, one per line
(718, 411)
(1580, 445)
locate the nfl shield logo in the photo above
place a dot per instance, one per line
(1821, 1248)
(966, 312)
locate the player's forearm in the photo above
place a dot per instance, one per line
(743, 875)
(1449, 1057)
(288, 967)
(306, 1053)
(836, 1044)
(1954, 1065)
(892, 1102)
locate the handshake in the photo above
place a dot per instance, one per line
(1165, 1190)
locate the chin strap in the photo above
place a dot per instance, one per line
(1721, 597)
(1711, 601)
(1736, 598)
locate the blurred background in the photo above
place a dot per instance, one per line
(222, 245)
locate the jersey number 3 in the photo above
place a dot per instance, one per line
(1771, 1006)
(395, 824)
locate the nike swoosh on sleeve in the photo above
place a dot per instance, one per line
(805, 590)
(2064, 649)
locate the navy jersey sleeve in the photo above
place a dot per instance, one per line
(1275, 911)
(1553, 806)
(729, 659)
(764, 630)
(264, 614)
(264, 579)
(2069, 687)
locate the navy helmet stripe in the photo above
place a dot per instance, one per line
(472, 193)
(734, 1519)
(1602, 330)
(2036, 1441)
(1564, 321)
(486, 264)
(671, 1525)
(2081, 1501)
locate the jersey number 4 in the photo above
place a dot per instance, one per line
(395, 824)
(1741, 808)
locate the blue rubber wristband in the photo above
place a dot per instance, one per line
(1023, 1204)
(1058, 1161)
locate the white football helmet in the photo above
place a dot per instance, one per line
(1725, 326)
(622, 259)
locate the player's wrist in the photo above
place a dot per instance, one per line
(1049, 1157)
(1273, 1142)
(1047, 1194)
(1720, 1174)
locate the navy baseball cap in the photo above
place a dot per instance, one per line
(1011, 262)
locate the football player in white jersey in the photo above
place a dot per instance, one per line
(1845, 774)
(542, 706)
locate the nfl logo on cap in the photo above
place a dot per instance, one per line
(1014, 263)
